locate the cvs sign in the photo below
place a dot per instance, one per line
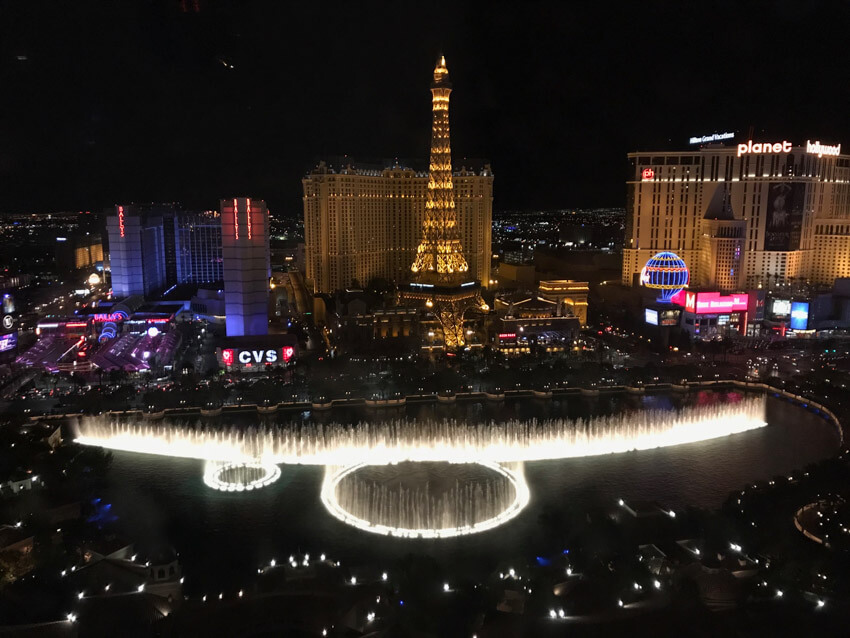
(229, 356)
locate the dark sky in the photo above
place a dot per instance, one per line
(124, 101)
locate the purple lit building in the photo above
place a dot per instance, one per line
(245, 253)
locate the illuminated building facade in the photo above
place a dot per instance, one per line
(246, 268)
(155, 246)
(198, 247)
(134, 271)
(78, 251)
(363, 222)
(743, 215)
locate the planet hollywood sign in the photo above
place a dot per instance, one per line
(231, 356)
(813, 148)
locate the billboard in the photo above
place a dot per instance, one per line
(669, 317)
(784, 216)
(781, 307)
(706, 303)
(262, 356)
(651, 316)
(799, 315)
(8, 342)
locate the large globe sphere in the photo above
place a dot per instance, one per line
(667, 273)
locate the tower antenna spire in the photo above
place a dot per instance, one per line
(440, 270)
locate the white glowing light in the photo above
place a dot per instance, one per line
(446, 441)
(215, 472)
(334, 476)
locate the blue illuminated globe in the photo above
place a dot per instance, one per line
(667, 273)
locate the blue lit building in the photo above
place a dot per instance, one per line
(153, 247)
(245, 253)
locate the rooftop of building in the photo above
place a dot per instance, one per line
(345, 165)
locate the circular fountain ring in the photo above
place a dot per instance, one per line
(251, 475)
(335, 475)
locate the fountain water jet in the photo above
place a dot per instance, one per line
(402, 440)
(240, 477)
(469, 508)
(242, 459)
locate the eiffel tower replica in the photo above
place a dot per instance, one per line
(440, 275)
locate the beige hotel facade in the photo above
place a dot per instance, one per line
(742, 215)
(365, 222)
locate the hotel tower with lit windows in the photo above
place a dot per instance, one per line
(363, 222)
(746, 215)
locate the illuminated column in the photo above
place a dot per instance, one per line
(245, 253)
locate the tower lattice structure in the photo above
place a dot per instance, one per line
(440, 272)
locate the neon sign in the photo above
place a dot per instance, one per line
(121, 220)
(714, 137)
(235, 218)
(764, 147)
(258, 356)
(822, 149)
(647, 173)
(704, 303)
(248, 215)
(248, 358)
(507, 335)
(106, 317)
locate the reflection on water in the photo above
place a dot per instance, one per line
(222, 538)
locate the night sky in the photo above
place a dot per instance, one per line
(102, 102)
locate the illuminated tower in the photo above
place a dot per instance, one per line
(245, 253)
(440, 273)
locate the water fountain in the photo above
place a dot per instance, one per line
(425, 500)
(240, 477)
(244, 459)
(404, 440)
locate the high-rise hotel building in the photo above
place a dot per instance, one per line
(742, 215)
(364, 222)
(245, 253)
(155, 246)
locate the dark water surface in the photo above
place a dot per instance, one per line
(223, 537)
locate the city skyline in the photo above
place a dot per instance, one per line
(553, 98)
